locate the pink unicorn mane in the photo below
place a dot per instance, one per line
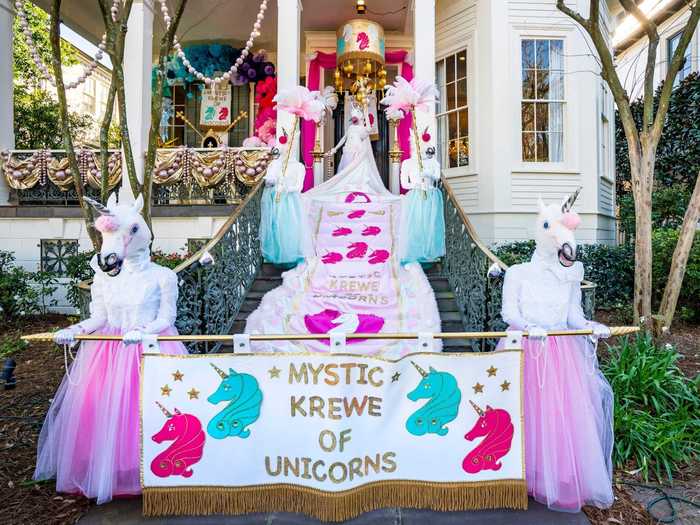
(496, 444)
(186, 449)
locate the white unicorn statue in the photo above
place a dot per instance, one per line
(90, 438)
(568, 402)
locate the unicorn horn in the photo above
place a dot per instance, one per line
(420, 370)
(164, 410)
(476, 407)
(569, 202)
(219, 371)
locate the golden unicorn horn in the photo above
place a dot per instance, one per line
(420, 370)
(164, 410)
(219, 371)
(476, 407)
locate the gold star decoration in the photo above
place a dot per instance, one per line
(194, 394)
(165, 391)
(395, 377)
(478, 388)
(274, 372)
(492, 371)
(177, 375)
(505, 386)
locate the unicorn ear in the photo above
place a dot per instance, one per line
(488, 407)
(177, 412)
(99, 207)
(232, 371)
(431, 369)
(540, 203)
(112, 200)
(138, 203)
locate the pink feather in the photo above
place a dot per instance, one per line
(407, 96)
(301, 102)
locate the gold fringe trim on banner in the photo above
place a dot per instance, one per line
(338, 506)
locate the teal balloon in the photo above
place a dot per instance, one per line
(243, 397)
(443, 395)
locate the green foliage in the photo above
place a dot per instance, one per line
(668, 205)
(677, 157)
(657, 408)
(664, 242)
(25, 70)
(169, 260)
(11, 345)
(23, 293)
(37, 120)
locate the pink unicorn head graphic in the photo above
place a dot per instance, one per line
(185, 430)
(496, 425)
(329, 320)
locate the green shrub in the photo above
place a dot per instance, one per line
(657, 408)
(11, 345)
(664, 242)
(668, 205)
(22, 292)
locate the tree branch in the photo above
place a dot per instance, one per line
(55, 39)
(561, 5)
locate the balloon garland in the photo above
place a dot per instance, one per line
(239, 61)
(88, 70)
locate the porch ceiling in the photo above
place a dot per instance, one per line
(231, 20)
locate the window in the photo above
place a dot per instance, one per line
(453, 110)
(542, 106)
(684, 71)
(89, 88)
(55, 254)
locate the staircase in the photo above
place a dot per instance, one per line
(270, 277)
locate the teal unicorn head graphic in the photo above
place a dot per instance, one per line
(443, 394)
(244, 398)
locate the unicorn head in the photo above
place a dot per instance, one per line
(172, 428)
(554, 232)
(484, 424)
(229, 388)
(428, 386)
(357, 115)
(125, 235)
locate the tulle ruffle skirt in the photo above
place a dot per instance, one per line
(90, 438)
(282, 228)
(568, 411)
(422, 226)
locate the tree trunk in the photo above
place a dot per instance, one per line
(680, 260)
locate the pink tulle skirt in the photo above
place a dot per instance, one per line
(568, 410)
(90, 438)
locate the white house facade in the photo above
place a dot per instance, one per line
(523, 111)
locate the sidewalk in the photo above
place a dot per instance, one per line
(128, 512)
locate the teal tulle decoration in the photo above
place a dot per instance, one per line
(280, 227)
(424, 216)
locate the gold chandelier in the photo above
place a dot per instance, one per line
(360, 58)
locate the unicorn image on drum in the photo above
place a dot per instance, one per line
(568, 403)
(90, 438)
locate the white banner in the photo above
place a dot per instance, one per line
(215, 109)
(331, 435)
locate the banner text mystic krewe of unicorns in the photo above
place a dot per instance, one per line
(301, 426)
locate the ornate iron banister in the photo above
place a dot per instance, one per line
(466, 265)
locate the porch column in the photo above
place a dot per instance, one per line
(288, 52)
(7, 134)
(138, 62)
(424, 57)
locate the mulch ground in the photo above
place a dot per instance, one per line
(40, 369)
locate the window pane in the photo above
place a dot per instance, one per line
(528, 77)
(450, 68)
(453, 132)
(542, 54)
(556, 116)
(542, 85)
(556, 55)
(529, 147)
(463, 123)
(462, 93)
(542, 147)
(528, 116)
(451, 100)
(556, 85)
(556, 147)
(462, 64)
(453, 153)
(542, 116)
(528, 54)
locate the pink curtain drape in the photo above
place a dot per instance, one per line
(313, 82)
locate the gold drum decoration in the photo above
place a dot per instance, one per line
(360, 56)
